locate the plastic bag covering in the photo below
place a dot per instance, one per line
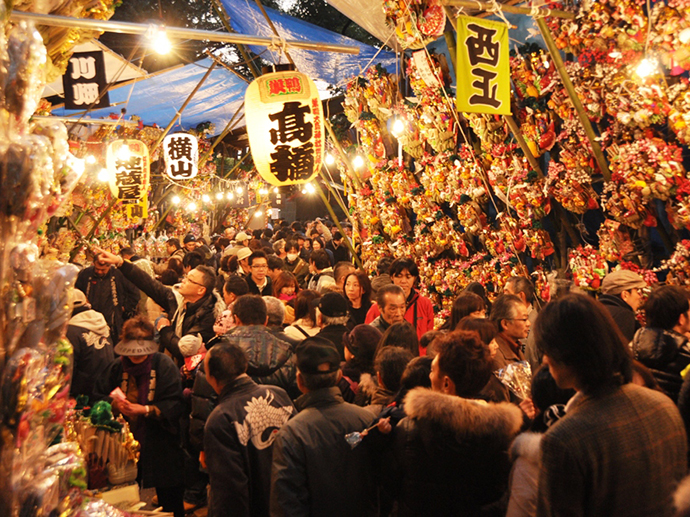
(157, 99)
(331, 67)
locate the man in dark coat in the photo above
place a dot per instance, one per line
(239, 434)
(109, 293)
(191, 309)
(89, 335)
(621, 297)
(258, 280)
(315, 471)
(341, 253)
(332, 317)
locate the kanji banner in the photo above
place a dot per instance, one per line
(483, 71)
(181, 152)
(285, 127)
(128, 169)
(84, 81)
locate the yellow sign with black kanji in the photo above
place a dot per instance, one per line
(483, 67)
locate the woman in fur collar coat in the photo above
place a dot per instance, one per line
(451, 451)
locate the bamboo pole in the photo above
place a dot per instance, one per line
(236, 166)
(341, 152)
(174, 32)
(229, 127)
(228, 68)
(273, 28)
(92, 232)
(337, 223)
(243, 51)
(337, 198)
(572, 94)
(183, 107)
(538, 11)
(523, 145)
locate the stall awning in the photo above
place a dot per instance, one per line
(246, 18)
(157, 98)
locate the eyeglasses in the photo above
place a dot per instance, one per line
(261, 266)
(186, 277)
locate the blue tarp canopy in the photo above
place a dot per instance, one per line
(333, 68)
(158, 98)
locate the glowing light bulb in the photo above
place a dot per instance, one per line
(103, 175)
(330, 160)
(258, 213)
(159, 41)
(205, 198)
(230, 195)
(309, 188)
(78, 166)
(219, 196)
(684, 36)
(646, 67)
(191, 207)
(398, 127)
(176, 200)
(124, 153)
(276, 190)
(358, 162)
(90, 159)
(239, 190)
(263, 191)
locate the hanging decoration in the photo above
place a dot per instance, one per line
(181, 154)
(128, 169)
(285, 127)
(483, 73)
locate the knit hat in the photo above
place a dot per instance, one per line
(136, 347)
(242, 237)
(243, 253)
(333, 305)
(189, 345)
(317, 355)
(621, 280)
(362, 341)
(189, 238)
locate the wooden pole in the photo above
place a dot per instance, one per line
(341, 152)
(236, 166)
(273, 28)
(183, 107)
(337, 198)
(572, 94)
(229, 127)
(92, 232)
(243, 51)
(337, 223)
(523, 145)
(539, 11)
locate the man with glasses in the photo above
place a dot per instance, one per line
(621, 297)
(512, 320)
(258, 280)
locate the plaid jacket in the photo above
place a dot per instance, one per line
(618, 454)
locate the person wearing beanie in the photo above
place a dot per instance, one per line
(315, 470)
(332, 317)
(358, 383)
(189, 242)
(89, 335)
(621, 297)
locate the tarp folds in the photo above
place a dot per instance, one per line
(368, 15)
(333, 68)
(157, 98)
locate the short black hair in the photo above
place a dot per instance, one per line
(127, 252)
(291, 244)
(174, 242)
(275, 262)
(388, 289)
(236, 285)
(401, 264)
(193, 259)
(250, 309)
(318, 381)
(466, 360)
(267, 234)
(383, 266)
(416, 374)
(665, 305)
(401, 335)
(169, 277)
(485, 327)
(464, 304)
(337, 236)
(390, 363)
(257, 254)
(208, 278)
(577, 331)
(320, 259)
(522, 284)
(226, 362)
(304, 305)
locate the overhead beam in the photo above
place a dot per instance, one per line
(175, 32)
(537, 11)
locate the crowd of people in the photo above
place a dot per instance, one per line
(264, 374)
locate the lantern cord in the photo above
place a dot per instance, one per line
(496, 9)
(278, 43)
(537, 11)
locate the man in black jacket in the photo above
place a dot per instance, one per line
(191, 309)
(622, 299)
(332, 317)
(258, 280)
(239, 435)
(109, 293)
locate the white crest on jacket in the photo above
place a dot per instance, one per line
(95, 340)
(261, 415)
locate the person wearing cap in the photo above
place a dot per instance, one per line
(621, 296)
(239, 434)
(189, 242)
(243, 268)
(89, 335)
(662, 345)
(152, 404)
(332, 316)
(315, 470)
(241, 241)
(358, 382)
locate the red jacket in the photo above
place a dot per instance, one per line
(424, 314)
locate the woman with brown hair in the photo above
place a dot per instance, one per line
(152, 405)
(357, 291)
(286, 288)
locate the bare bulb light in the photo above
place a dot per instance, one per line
(309, 188)
(646, 67)
(275, 190)
(358, 162)
(191, 207)
(91, 159)
(263, 191)
(103, 175)
(176, 200)
(230, 195)
(239, 191)
(219, 196)
(205, 198)
(398, 127)
(159, 40)
(330, 160)
(258, 213)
